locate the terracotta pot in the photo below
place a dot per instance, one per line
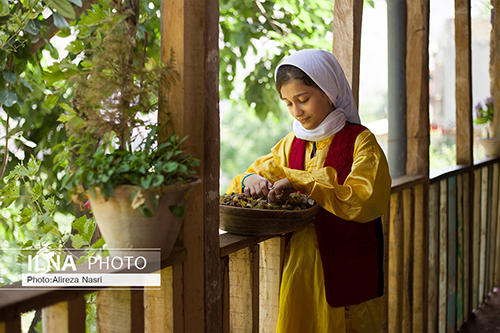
(124, 227)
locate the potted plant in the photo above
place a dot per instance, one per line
(138, 185)
(484, 115)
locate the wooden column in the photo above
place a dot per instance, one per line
(463, 82)
(417, 87)
(347, 15)
(495, 65)
(190, 28)
(417, 158)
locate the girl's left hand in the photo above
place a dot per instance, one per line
(280, 190)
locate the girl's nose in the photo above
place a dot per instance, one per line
(296, 111)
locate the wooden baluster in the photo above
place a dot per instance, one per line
(497, 239)
(408, 233)
(460, 251)
(240, 290)
(451, 315)
(226, 307)
(419, 262)
(120, 310)
(11, 326)
(385, 228)
(433, 258)
(396, 278)
(443, 256)
(482, 233)
(64, 316)
(270, 274)
(158, 305)
(466, 241)
(476, 238)
(494, 256)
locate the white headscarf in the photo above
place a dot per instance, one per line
(322, 67)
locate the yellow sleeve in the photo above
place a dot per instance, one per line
(365, 193)
(269, 166)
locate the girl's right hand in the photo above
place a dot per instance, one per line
(256, 186)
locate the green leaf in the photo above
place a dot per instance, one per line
(4, 7)
(8, 98)
(51, 101)
(79, 2)
(179, 211)
(146, 211)
(60, 21)
(36, 191)
(9, 77)
(32, 27)
(157, 180)
(146, 182)
(77, 241)
(63, 7)
(64, 32)
(100, 242)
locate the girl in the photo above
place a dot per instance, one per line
(332, 275)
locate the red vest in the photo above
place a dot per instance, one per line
(351, 252)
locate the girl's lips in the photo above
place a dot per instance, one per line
(302, 121)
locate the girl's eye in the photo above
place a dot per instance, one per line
(304, 101)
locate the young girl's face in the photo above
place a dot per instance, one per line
(306, 104)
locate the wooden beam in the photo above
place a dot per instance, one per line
(417, 87)
(463, 82)
(347, 15)
(190, 29)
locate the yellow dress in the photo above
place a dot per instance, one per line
(363, 197)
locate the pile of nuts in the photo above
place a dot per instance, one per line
(295, 201)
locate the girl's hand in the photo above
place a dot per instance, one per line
(280, 190)
(256, 186)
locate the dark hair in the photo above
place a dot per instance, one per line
(289, 72)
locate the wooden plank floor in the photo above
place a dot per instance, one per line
(486, 318)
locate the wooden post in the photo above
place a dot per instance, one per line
(418, 141)
(190, 28)
(495, 65)
(463, 82)
(417, 88)
(347, 15)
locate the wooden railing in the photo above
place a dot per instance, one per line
(442, 250)
(118, 309)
